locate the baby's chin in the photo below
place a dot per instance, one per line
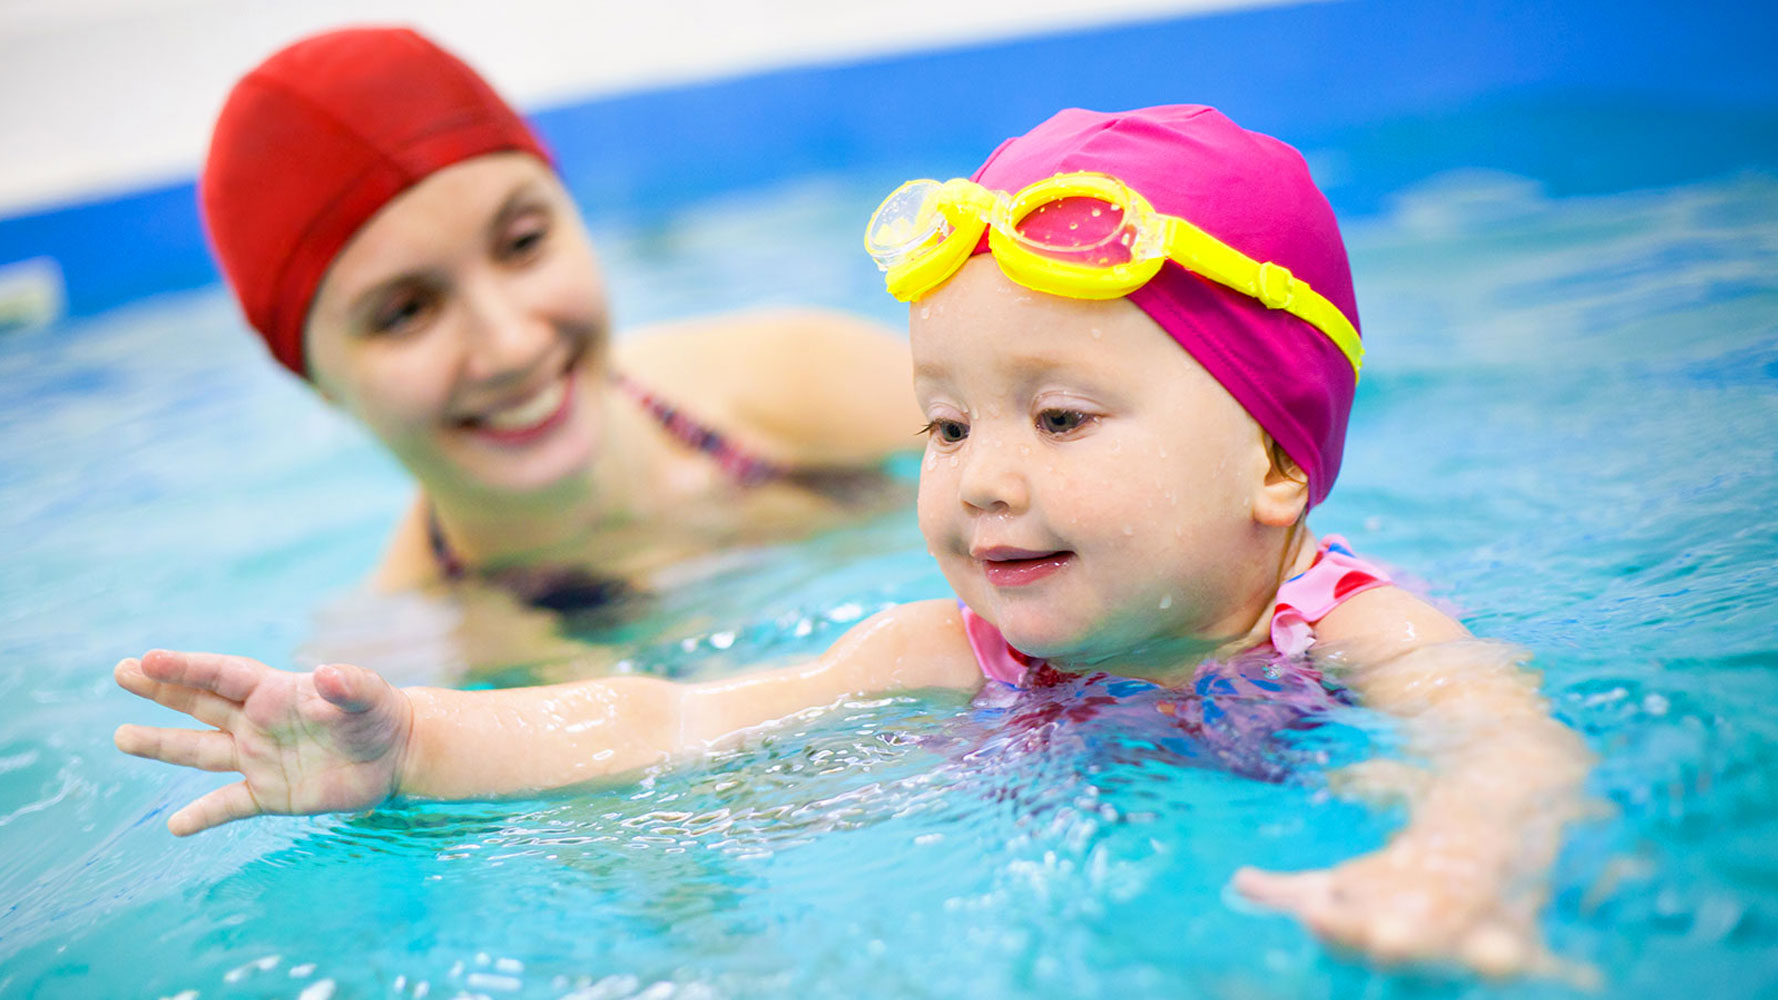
(1126, 651)
(1047, 641)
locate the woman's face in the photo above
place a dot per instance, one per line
(465, 325)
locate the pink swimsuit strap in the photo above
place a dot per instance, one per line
(1336, 575)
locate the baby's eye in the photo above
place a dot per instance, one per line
(946, 431)
(1061, 421)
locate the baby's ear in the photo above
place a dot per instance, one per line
(1284, 493)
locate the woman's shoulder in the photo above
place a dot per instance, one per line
(409, 560)
(803, 387)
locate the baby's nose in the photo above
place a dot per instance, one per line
(993, 476)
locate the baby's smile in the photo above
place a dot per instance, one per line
(1011, 567)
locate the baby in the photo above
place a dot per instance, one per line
(1134, 338)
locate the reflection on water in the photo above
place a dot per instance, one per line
(1568, 425)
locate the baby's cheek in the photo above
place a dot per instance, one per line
(935, 506)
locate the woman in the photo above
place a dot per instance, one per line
(398, 236)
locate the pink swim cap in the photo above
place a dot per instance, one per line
(1255, 194)
(319, 137)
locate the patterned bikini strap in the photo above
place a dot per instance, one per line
(741, 466)
(449, 563)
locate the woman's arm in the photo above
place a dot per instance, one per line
(341, 738)
(1465, 878)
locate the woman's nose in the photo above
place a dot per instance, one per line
(992, 478)
(503, 334)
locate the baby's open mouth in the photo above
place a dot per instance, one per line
(1019, 567)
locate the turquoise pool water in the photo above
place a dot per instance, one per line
(1568, 429)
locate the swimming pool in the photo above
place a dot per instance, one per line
(1568, 427)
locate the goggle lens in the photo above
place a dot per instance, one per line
(907, 221)
(1081, 230)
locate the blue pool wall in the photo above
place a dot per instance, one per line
(1582, 95)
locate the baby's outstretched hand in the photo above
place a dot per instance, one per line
(326, 741)
(1412, 902)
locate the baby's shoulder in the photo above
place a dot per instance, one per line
(916, 645)
(1386, 621)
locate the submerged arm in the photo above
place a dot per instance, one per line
(1465, 877)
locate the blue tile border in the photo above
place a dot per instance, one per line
(1582, 95)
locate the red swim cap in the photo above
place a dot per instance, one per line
(319, 137)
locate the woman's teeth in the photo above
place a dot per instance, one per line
(529, 413)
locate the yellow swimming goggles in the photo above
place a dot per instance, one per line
(1107, 242)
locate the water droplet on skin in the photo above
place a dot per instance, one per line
(925, 312)
(1097, 333)
(1129, 529)
(1166, 601)
(1024, 449)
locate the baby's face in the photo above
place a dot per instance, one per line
(1087, 486)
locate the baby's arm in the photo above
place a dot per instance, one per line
(1465, 878)
(342, 738)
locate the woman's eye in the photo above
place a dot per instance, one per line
(523, 241)
(946, 431)
(400, 313)
(1061, 421)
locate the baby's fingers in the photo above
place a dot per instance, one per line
(224, 805)
(1299, 892)
(232, 677)
(207, 751)
(203, 706)
(1318, 899)
(1496, 950)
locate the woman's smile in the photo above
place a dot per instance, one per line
(527, 419)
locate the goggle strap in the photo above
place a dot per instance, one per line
(1272, 284)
